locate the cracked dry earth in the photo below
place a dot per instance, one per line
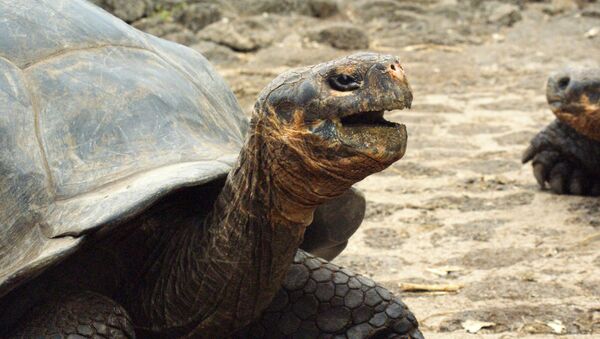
(460, 208)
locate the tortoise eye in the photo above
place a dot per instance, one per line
(344, 82)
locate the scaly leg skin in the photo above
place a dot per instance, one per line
(78, 315)
(568, 161)
(333, 224)
(321, 300)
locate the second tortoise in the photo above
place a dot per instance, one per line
(566, 154)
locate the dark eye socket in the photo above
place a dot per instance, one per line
(344, 82)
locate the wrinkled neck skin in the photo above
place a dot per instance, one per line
(223, 273)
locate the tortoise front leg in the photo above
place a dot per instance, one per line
(320, 299)
(76, 315)
(333, 224)
(568, 161)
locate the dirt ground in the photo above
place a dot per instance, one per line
(459, 208)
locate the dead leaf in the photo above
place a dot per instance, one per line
(408, 287)
(444, 270)
(473, 326)
(556, 325)
(592, 33)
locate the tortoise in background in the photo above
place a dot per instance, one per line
(566, 154)
(136, 198)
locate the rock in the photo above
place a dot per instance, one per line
(242, 35)
(561, 6)
(185, 37)
(254, 7)
(323, 8)
(315, 8)
(197, 16)
(157, 26)
(215, 53)
(163, 7)
(505, 15)
(592, 33)
(389, 10)
(591, 13)
(127, 10)
(341, 36)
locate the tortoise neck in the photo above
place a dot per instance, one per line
(222, 273)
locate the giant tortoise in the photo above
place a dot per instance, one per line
(566, 154)
(136, 199)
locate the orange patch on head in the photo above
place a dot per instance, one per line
(585, 117)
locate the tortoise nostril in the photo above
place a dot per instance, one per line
(563, 83)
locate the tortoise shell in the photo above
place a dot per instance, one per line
(97, 121)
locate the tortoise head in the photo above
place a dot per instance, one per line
(574, 97)
(325, 122)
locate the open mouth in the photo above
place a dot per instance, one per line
(555, 105)
(370, 133)
(559, 107)
(367, 119)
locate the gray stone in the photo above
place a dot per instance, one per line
(157, 26)
(505, 15)
(315, 8)
(216, 54)
(197, 16)
(323, 8)
(185, 37)
(243, 35)
(341, 36)
(389, 10)
(128, 10)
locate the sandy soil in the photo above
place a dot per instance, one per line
(459, 208)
